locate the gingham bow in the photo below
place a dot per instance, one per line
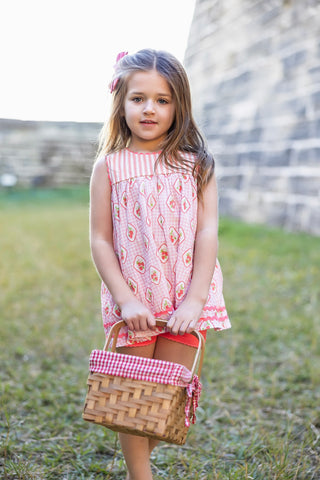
(114, 82)
(193, 392)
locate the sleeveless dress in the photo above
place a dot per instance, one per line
(154, 214)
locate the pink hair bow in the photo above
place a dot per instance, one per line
(114, 82)
(193, 395)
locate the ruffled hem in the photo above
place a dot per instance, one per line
(214, 318)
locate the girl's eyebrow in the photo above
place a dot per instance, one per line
(158, 94)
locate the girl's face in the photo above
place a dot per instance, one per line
(149, 110)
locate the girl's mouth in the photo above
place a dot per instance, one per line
(148, 122)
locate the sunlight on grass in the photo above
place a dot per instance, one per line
(259, 413)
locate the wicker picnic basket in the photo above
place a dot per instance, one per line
(142, 396)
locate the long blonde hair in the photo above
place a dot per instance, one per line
(183, 135)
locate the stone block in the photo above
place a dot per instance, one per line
(308, 156)
(309, 186)
(296, 107)
(266, 183)
(294, 59)
(317, 129)
(260, 47)
(227, 160)
(298, 217)
(252, 157)
(273, 158)
(313, 225)
(315, 100)
(276, 213)
(271, 14)
(225, 204)
(231, 205)
(230, 181)
(228, 87)
(303, 130)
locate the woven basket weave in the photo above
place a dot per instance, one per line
(138, 407)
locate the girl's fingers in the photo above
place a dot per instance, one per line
(137, 316)
(129, 324)
(147, 322)
(174, 325)
(191, 326)
(140, 323)
(170, 324)
(132, 323)
(186, 327)
(143, 323)
(179, 326)
(151, 322)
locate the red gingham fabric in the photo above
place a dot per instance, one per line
(139, 368)
(193, 392)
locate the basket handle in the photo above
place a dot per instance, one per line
(114, 332)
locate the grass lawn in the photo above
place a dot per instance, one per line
(259, 414)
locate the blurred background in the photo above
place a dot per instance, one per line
(254, 69)
(57, 61)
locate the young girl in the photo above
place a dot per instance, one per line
(154, 222)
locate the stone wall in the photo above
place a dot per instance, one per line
(254, 69)
(47, 153)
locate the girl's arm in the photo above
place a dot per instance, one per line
(133, 312)
(186, 316)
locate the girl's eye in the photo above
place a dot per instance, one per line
(163, 101)
(136, 99)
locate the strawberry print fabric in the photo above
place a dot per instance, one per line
(154, 224)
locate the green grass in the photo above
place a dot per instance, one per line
(259, 414)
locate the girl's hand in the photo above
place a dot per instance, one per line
(185, 318)
(137, 316)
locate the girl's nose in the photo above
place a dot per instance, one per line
(148, 106)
